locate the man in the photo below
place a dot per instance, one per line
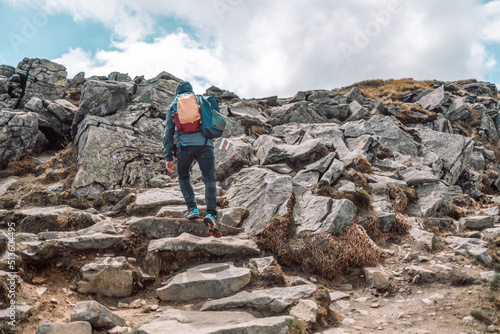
(192, 146)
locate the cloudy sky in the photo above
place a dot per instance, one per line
(259, 48)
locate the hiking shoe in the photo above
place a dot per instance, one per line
(192, 214)
(213, 226)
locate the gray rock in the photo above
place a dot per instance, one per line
(432, 199)
(357, 112)
(423, 237)
(299, 112)
(205, 281)
(488, 127)
(158, 227)
(354, 94)
(481, 89)
(455, 154)
(6, 183)
(306, 179)
(107, 276)
(57, 115)
(377, 277)
(472, 246)
(77, 327)
(96, 314)
(477, 161)
(229, 161)
(457, 110)
(300, 96)
(187, 243)
(19, 136)
(320, 214)
(388, 132)
(109, 151)
(478, 222)
(232, 216)
(44, 79)
(261, 263)
(152, 200)
(216, 322)
(178, 211)
(7, 70)
(333, 173)
(362, 143)
(436, 98)
(305, 310)
(22, 311)
(263, 192)
(274, 300)
(415, 177)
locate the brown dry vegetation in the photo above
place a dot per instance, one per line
(362, 165)
(388, 90)
(331, 256)
(402, 196)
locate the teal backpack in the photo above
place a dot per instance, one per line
(214, 122)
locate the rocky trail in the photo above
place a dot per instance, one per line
(371, 208)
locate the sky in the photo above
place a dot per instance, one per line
(259, 48)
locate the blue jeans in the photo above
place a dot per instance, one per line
(204, 155)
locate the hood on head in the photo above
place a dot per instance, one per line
(183, 87)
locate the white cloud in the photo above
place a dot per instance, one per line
(258, 48)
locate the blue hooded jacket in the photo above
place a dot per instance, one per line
(183, 139)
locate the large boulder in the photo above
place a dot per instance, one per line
(114, 153)
(44, 79)
(19, 135)
(454, 151)
(263, 192)
(388, 132)
(319, 214)
(57, 115)
(434, 99)
(103, 98)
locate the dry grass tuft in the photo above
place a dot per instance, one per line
(358, 179)
(271, 276)
(362, 165)
(401, 225)
(402, 197)
(361, 199)
(384, 152)
(275, 234)
(371, 224)
(19, 168)
(410, 113)
(331, 256)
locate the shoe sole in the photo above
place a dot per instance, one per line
(213, 229)
(192, 217)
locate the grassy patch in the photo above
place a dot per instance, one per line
(401, 196)
(362, 165)
(389, 90)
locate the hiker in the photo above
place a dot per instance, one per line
(191, 145)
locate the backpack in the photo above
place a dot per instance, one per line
(214, 122)
(187, 113)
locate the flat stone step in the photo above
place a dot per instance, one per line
(274, 300)
(212, 280)
(188, 244)
(188, 322)
(156, 227)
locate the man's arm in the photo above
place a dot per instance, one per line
(168, 140)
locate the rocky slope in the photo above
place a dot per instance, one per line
(371, 207)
